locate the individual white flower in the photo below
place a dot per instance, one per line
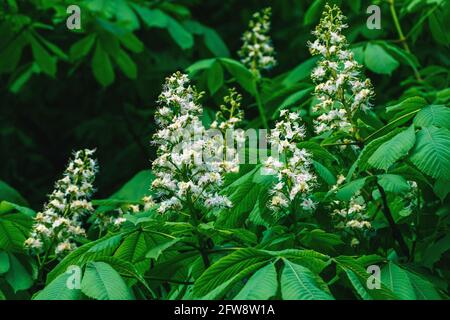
(338, 77)
(257, 52)
(58, 225)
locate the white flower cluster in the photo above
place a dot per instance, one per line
(340, 87)
(59, 225)
(257, 52)
(292, 168)
(184, 179)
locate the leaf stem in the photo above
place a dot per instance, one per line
(395, 230)
(401, 35)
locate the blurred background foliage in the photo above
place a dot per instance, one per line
(63, 90)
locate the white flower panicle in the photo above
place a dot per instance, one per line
(257, 52)
(292, 168)
(184, 180)
(340, 87)
(59, 225)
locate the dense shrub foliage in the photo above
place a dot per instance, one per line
(355, 181)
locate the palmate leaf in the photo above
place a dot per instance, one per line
(227, 268)
(261, 286)
(393, 149)
(102, 282)
(299, 283)
(357, 269)
(431, 153)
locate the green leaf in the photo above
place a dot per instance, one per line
(434, 115)
(396, 279)
(82, 47)
(378, 60)
(301, 72)
(157, 250)
(200, 65)
(102, 67)
(215, 77)
(4, 262)
(14, 230)
(406, 106)
(45, 61)
(261, 286)
(58, 289)
(441, 188)
(181, 36)
(324, 173)
(131, 42)
(10, 194)
(102, 282)
(349, 189)
(232, 267)
(299, 283)
(242, 75)
(359, 285)
(18, 277)
(431, 154)
(215, 43)
(357, 268)
(394, 149)
(152, 17)
(313, 13)
(439, 28)
(393, 183)
(125, 63)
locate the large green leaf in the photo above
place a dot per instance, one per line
(378, 60)
(8, 193)
(18, 276)
(299, 283)
(261, 286)
(14, 230)
(396, 279)
(102, 67)
(393, 183)
(434, 115)
(58, 289)
(431, 154)
(393, 149)
(227, 268)
(4, 262)
(102, 282)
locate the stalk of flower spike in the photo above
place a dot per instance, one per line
(340, 88)
(292, 169)
(257, 52)
(59, 225)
